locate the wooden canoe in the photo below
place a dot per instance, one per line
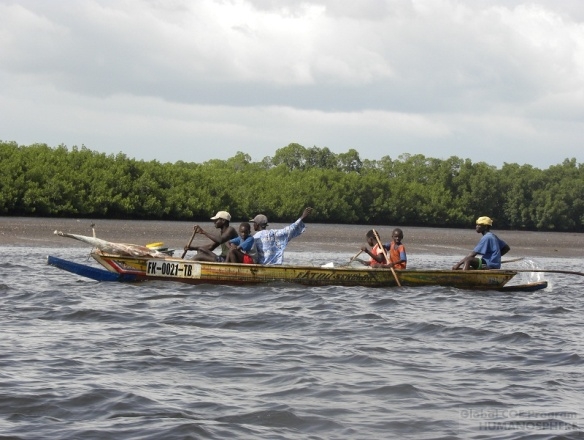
(136, 269)
(191, 272)
(130, 263)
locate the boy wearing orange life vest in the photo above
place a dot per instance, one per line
(397, 251)
(376, 253)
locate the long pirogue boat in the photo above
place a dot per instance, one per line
(131, 263)
(127, 268)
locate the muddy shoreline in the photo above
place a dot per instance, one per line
(39, 232)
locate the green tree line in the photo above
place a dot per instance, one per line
(410, 190)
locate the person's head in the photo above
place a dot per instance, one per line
(370, 236)
(244, 230)
(221, 219)
(484, 224)
(260, 222)
(397, 235)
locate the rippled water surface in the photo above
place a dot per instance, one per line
(81, 359)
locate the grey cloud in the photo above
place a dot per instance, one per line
(452, 62)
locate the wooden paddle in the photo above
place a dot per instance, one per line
(189, 244)
(355, 256)
(512, 261)
(380, 244)
(568, 272)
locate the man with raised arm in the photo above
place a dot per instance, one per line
(271, 243)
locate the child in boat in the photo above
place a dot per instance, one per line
(397, 251)
(376, 253)
(243, 248)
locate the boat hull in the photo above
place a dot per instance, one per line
(90, 272)
(529, 287)
(192, 272)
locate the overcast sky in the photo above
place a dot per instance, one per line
(489, 80)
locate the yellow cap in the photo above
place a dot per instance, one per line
(484, 221)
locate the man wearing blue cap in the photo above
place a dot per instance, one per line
(490, 249)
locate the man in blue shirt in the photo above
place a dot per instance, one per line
(490, 249)
(271, 243)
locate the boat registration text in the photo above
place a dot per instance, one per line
(161, 268)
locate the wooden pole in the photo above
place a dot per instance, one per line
(189, 243)
(355, 256)
(512, 261)
(380, 244)
(568, 272)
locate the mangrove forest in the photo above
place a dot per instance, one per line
(410, 190)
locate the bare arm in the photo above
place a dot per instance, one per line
(461, 262)
(379, 257)
(393, 264)
(215, 240)
(305, 213)
(206, 234)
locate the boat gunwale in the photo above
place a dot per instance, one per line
(238, 273)
(305, 267)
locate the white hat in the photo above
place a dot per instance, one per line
(222, 214)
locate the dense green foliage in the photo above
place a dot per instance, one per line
(413, 190)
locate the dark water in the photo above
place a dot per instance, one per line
(87, 360)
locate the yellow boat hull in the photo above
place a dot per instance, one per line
(192, 272)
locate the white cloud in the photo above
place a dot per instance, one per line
(436, 77)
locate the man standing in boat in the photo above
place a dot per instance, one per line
(205, 253)
(490, 248)
(271, 243)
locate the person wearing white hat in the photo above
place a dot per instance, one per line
(205, 252)
(490, 248)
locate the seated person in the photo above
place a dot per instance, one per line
(376, 253)
(243, 248)
(205, 252)
(271, 243)
(490, 248)
(397, 251)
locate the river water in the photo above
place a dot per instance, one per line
(86, 360)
